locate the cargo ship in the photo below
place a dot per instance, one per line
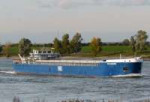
(45, 63)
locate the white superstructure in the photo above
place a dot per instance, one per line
(43, 55)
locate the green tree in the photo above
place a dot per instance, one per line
(132, 43)
(141, 38)
(96, 46)
(24, 47)
(75, 44)
(6, 49)
(138, 42)
(65, 44)
(57, 45)
(126, 42)
(1, 48)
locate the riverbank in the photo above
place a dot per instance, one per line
(108, 52)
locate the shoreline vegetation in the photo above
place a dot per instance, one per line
(74, 48)
(108, 52)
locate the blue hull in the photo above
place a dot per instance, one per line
(102, 69)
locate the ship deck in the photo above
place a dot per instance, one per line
(69, 62)
(80, 62)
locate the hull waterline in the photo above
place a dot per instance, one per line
(107, 69)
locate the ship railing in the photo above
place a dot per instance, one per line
(69, 62)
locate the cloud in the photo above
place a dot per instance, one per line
(67, 4)
(45, 3)
(73, 3)
(124, 2)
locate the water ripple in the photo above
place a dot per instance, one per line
(54, 89)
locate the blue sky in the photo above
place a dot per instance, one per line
(43, 20)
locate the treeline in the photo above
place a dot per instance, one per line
(67, 45)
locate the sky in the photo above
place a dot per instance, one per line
(43, 20)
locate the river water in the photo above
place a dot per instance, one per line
(55, 89)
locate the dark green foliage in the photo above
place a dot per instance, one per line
(57, 45)
(138, 42)
(132, 43)
(24, 47)
(6, 49)
(126, 42)
(75, 44)
(141, 38)
(65, 44)
(1, 48)
(42, 45)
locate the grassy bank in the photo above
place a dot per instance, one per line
(107, 51)
(114, 51)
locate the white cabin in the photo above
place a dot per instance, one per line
(43, 55)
